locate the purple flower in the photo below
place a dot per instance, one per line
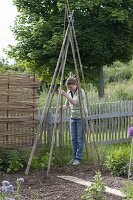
(10, 188)
(130, 132)
(21, 180)
(4, 188)
(5, 183)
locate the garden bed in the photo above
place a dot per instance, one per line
(37, 186)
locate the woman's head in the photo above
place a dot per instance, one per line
(71, 83)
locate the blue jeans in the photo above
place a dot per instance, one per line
(77, 133)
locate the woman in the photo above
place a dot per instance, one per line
(77, 125)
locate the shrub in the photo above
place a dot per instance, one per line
(120, 91)
(11, 160)
(117, 160)
(117, 73)
(40, 162)
(122, 94)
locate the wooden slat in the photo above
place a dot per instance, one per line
(19, 110)
(18, 103)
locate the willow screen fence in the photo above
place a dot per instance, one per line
(18, 107)
(108, 124)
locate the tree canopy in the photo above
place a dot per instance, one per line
(104, 30)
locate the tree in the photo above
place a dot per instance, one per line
(104, 30)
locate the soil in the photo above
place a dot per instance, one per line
(38, 186)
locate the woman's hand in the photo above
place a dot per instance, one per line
(63, 93)
(71, 100)
(64, 107)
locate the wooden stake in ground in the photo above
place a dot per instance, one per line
(92, 144)
(57, 107)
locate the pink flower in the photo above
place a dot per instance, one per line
(130, 132)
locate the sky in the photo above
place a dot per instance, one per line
(8, 13)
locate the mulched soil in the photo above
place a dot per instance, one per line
(37, 186)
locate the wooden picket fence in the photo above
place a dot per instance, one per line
(18, 107)
(108, 124)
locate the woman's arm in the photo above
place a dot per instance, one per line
(71, 100)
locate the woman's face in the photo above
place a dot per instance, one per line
(72, 87)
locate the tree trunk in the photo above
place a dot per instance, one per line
(100, 82)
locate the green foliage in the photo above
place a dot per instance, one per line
(11, 160)
(66, 152)
(14, 165)
(128, 190)
(40, 162)
(117, 73)
(114, 91)
(122, 94)
(43, 97)
(35, 163)
(117, 160)
(6, 67)
(119, 91)
(104, 31)
(44, 161)
(96, 191)
(14, 160)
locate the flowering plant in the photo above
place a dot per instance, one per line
(96, 190)
(130, 134)
(8, 191)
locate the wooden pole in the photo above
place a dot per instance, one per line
(81, 69)
(57, 108)
(80, 94)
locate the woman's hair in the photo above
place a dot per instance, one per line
(71, 81)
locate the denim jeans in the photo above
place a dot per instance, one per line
(77, 137)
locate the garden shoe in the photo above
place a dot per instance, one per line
(76, 162)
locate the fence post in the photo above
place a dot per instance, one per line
(50, 125)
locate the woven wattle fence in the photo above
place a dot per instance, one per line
(18, 107)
